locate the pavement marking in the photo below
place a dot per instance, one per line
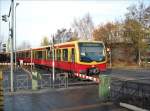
(132, 107)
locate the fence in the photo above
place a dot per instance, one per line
(22, 81)
(132, 92)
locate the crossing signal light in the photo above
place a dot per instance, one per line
(4, 18)
(4, 47)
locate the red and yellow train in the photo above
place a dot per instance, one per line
(78, 56)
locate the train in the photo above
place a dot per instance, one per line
(4, 57)
(84, 57)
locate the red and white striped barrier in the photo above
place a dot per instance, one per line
(27, 64)
(14, 64)
(87, 77)
(5, 64)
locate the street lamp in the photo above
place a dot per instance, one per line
(5, 18)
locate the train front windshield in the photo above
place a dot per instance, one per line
(90, 52)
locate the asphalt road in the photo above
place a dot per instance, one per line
(83, 98)
(130, 74)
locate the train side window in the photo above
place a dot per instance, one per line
(51, 55)
(58, 54)
(65, 54)
(54, 54)
(72, 55)
(44, 54)
(39, 54)
(27, 54)
(48, 53)
(22, 54)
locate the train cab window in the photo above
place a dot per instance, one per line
(72, 55)
(58, 54)
(65, 54)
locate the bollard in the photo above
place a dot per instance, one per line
(104, 87)
(34, 80)
(1, 92)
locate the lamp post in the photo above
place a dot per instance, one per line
(11, 29)
(15, 33)
(12, 45)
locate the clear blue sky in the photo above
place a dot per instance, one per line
(39, 18)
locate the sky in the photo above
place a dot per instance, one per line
(38, 18)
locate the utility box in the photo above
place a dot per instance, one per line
(104, 87)
(34, 80)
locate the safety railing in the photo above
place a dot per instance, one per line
(37, 81)
(136, 93)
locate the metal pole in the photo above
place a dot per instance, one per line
(31, 60)
(12, 44)
(110, 59)
(110, 52)
(53, 62)
(15, 36)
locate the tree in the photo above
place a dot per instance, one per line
(140, 13)
(84, 27)
(147, 17)
(45, 41)
(135, 34)
(137, 23)
(63, 35)
(73, 37)
(105, 33)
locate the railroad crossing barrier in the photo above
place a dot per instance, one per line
(104, 87)
(1, 92)
(87, 77)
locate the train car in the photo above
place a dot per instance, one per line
(85, 57)
(4, 57)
